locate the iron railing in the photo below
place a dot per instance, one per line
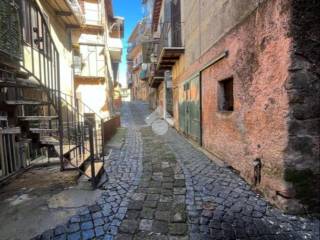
(76, 8)
(40, 64)
(170, 36)
(14, 155)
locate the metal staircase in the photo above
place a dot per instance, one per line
(53, 124)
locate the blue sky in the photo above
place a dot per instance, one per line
(131, 10)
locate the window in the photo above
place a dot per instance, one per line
(25, 10)
(225, 95)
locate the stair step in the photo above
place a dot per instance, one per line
(20, 83)
(3, 118)
(49, 141)
(22, 74)
(98, 166)
(37, 118)
(79, 162)
(25, 140)
(43, 130)
(14, 130)
(23, 102)
(66, 148)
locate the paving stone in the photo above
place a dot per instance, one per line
(61, 237)
(98, 222)
(124, 236)
(74, 227)
(164, 206)
(74, 236)
(138, 196)
(86, 225)
(59, 230)
(94, 208)
(112, 230)
(135, 205)
(145, 225)
(179, 183)
(147, 213)
(162, 215)
(160, 227)
(96, 215)
(150, 204)
(178, 228)
(75, 219)
(179, 217)
(88, 234)
(48, 235)
(99, 231)
(128, 226)
(132, 214)
(153, 197)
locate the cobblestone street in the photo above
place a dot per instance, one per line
(161, 187)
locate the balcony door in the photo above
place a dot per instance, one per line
(176, 23)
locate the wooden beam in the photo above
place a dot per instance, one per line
(63, 13)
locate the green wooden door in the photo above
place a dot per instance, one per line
(189, 109)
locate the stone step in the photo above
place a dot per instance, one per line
(48, 140)
(66, 148)
(23, 102)
(3, 118)
(20, 83)
(37, 118)
(14, 130)
(43, 130)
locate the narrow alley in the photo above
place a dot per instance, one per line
(162, 187)
(159, 120)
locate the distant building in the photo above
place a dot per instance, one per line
(137, 69)
(97, 50)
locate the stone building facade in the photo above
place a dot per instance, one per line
(137, 78)
(246, 88)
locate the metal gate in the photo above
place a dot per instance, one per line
(189, 109)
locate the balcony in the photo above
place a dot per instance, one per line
(93, 16)
(155, 77)
(69, 11)
(170, 46)
(115, 48)
(89, 65)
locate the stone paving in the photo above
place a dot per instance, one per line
(161, 187)
(221, 205)
(157, 209)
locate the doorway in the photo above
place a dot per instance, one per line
(190, 109)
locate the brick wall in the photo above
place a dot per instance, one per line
(261, 48)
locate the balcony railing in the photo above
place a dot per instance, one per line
(115, 48)
(75, 7)
(170, 45)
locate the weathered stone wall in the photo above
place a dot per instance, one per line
(303, 88)
(258, 61)
(262, 124)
